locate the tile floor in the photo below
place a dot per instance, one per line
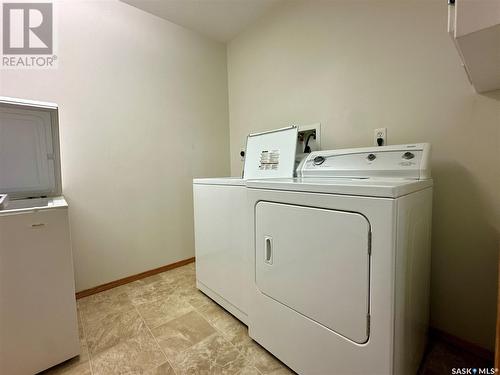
(163, 325)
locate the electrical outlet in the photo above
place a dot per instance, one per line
(380, 137)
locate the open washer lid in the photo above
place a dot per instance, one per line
(30, 164)
(271, 154)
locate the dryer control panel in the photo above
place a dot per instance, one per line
(409, 161)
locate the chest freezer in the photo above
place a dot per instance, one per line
(38, 317)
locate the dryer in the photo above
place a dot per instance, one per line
(340, 261)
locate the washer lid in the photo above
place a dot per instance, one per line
(369, 187)
(271, 154)
(30, 164)
(231, 181)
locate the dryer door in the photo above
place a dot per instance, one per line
(316, 262)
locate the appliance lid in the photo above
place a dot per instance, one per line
(229, 181)
(271, 154)
(30, 164)
(410, 161)
(368, 187)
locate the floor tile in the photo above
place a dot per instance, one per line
(162, 311)
(113, 328)
(84, 351)
(182, 333)
(261, 359)
(152, 279)
(130, 287)
(81, 332)
(213, 355)
(97, 306)
(164, 369)
(282, 371)
(193, 296)
(232, 329)
(180, 276)
(150, 290)
(213, 312)
(71, 367)
(133, 356)
(249, 370)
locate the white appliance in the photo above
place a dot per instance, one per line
(38, 321)
(340, 261)
(221, 237)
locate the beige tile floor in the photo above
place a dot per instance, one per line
(163, 325)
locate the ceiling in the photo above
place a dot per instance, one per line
(221, 20)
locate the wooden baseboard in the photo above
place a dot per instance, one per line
(461, 344)
(129, 279)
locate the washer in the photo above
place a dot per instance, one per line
(220, 226)
(340, 261)
(221, 238)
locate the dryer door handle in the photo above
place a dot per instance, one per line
(268, 249)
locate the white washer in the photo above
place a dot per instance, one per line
(221, 230)
(222, 266)
(341, 259)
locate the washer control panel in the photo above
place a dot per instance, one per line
(403, 161)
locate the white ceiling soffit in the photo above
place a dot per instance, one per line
(221, 20)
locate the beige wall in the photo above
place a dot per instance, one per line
(359, 65)
(143, 109)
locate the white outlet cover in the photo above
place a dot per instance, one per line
(380, 133)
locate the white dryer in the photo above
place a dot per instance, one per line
(341, 260)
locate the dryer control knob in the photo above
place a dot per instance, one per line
(318, 160)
